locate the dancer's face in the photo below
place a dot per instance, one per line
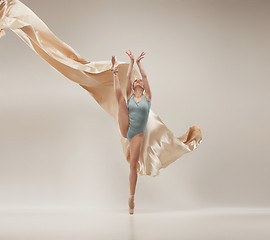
(138, 83)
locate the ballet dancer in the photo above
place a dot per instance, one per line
(133, 115)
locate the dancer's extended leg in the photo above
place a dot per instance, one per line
(122, 106)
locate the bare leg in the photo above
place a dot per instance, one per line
(123, 119)
(135, 149)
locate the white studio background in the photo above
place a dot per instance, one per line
(207, 63)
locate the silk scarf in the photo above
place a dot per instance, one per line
(160, 146)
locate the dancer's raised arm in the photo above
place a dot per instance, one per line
(129, 72)
(144, 77)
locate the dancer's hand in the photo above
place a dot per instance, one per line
(140, 57)
(130, 55)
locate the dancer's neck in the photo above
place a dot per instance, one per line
(138, 92)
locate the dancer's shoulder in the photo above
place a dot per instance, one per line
(130, 95)
(147, 97)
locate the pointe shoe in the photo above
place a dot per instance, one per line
(131, 199)
(114, 67)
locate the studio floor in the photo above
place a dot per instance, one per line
(97, 223)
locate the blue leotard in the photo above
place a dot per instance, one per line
(138, 115)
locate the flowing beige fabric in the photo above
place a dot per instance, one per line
(160, 146)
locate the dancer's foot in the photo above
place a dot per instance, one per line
(131, 204)
(114, 67)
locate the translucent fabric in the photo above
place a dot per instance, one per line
(160, 146)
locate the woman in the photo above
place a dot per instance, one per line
(133, 115)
